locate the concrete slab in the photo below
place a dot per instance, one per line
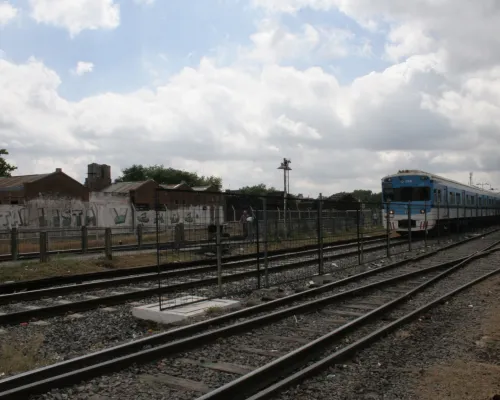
(193, 306)
(322, 279)
(108, 309)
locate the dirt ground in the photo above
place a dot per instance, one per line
(472, 369)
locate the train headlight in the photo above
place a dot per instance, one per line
(422, 211)
(391, 212)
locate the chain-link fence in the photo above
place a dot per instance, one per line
(259, 243)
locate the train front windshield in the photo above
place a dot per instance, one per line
(406, 194)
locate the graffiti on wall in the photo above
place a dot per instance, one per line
(192, 215)
(100, 212)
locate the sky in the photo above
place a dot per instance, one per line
(349, 90)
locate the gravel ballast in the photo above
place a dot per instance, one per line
(139, 380)
(450, 352)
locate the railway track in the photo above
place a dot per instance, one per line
(116, 248)
(122, 248)
(241, 260)
(20, 307)
(300, 376)
(224, 359)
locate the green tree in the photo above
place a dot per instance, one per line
(5, 167)
(257, 190)
(162, 175)
(367, 196)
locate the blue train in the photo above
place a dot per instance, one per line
(433, 201)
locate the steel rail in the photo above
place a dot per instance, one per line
(70, 289)
(84, 305)
(119, 357)
(120, 247)
(249, 259)
(261, 383)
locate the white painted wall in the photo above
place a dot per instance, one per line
(102, 211)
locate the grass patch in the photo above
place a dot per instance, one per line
(17, 356)
(68, 264)
(63, 265)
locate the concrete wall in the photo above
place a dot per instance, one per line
(102, 211)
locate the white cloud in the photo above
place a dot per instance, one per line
(146, 2)
(274, 43)
(7, 12)
(82, 68)
(434, 108)
(77, 15)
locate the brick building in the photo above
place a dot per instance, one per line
(19, 189)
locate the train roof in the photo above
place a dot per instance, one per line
(440, 178)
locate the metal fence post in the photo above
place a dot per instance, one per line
(108, 246)
(85, 239)
(409, 226)
(357, 233)
(218, 247)
(388, 228)
(43, 247)
(158, 247)
(425, 223)
(14, 244)
(438, 222)
(266, 238)
(140, 231)
(257, 236)
(320, 234)
(361, 232)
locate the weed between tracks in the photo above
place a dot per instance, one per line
(19, 356)
(68, 265)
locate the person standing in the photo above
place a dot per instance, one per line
(244, 223)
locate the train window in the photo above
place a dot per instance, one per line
(421, 194)
(458, 199)
(388, 194)
(407, 194)
(473, 198)
(439, 196)
(452, 198)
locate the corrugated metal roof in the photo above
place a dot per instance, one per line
(123, 187)
(201, 188)
(174, 186)
(170, 186)
(17, 182)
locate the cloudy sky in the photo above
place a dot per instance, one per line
(350, 90)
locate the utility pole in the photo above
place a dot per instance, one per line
(470, 178)
(285, 166)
